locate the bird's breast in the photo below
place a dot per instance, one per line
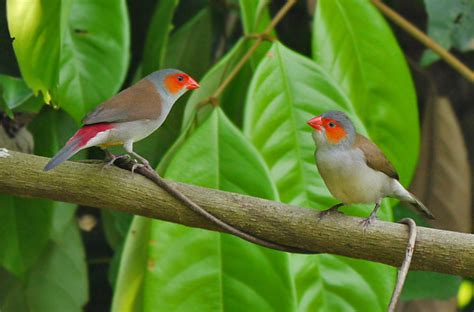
(348, 178)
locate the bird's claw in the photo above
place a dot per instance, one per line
(368, 221)
(114, 158)
(140, 165)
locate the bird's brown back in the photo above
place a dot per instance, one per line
(374, 156)
(140, 101)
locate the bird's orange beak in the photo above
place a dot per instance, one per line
(316, 122)
(192, 84)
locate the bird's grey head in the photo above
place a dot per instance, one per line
(333, 129)
(172, 83)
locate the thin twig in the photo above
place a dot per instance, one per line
(426, 40)
(265, 34)
(155, 178)
(402, 273)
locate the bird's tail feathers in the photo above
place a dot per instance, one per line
(418, 205)
(71, 148)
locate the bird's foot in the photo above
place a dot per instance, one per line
(333, 209)
(113, 158)
(367, 222)
(140, 165)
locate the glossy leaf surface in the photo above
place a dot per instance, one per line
(74, 51)
(193, 269)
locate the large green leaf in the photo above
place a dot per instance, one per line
(354, 44)
(75, 51)
(37, 42)
(58, 280)
(24, 231)
(196, 270)
(94, 54)
(286, 91)
(129, 287)
(157, 37)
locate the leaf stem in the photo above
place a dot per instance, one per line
(426, 40)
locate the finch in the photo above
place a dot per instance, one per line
(353, 168)
(129, 116)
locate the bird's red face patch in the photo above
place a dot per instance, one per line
(335, 132)
(176, 82)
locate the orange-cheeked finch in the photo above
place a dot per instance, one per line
(353, 168)
(129, 116)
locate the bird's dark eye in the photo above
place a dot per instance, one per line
(180, 78)
(332, 124)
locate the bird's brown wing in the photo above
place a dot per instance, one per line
(375, 157)
(140, 101)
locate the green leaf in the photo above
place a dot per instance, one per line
(451, 24)
(58, 280)
(94, 54)
(128, 294)
(193, 269)
(255, 18)
(189, 47)
(75, 51)
(24, 231)
(157, 37)
(286, 91)
(430, 285)
(354, 44)
(37, 42)
(14, 93)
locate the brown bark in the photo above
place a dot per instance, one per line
(113, 188)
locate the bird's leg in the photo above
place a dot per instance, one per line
(144, 163)
(329, 211)
(112, 158)
(372, 217)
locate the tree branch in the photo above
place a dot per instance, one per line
(86, 184)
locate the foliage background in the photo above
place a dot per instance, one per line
(327, 54)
